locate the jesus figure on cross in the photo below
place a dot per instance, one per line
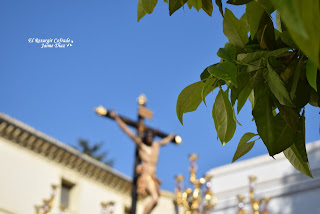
(148, 183)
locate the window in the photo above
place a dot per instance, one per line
(66, 187)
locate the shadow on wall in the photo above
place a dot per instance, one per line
(299, 194)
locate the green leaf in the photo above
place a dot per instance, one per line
(241, 56)
(286, 39)
(300, 139)
(245, 93)
(311, 71)
(267, 5)
(227, 53)
(189, 99)
(278, 21)
(244, 21)
(262, 113)
(238, 2)
(256, 65)
(289, 70)
(224, 70)
(223, 117)
(197, 4)
(209, 86)
(205, 74)
(149, 5)
(243, 96)
(303, 92)
(278, 87)
(254, 13)
(175, 5)
(251, 98)
(219, 4)
(235, 117)
(284, 136)
(265, 33)
(243, 146)
(242, 79)
(141, 12)
(289, 115)
(278, 52)
(314, 99)
(295, 80)
(234, 29)
(190, 3)
(302, 21)
(275, 133)
(295, 159)
(250, 57)
(254, 61)
(207, 6)
(277, 34)
(289, 10)
(252, 46)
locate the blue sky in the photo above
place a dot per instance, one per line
(113, 60)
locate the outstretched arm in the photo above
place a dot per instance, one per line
(167, 139)
(125, 128)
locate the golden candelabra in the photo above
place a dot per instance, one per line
(107, 207)
(199, 200)
(256, 204)
(47, 205)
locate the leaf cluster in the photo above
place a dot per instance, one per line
(275, 68)
(147, 6)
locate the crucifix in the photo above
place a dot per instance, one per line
(146, 155)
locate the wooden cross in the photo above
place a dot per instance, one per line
(143, 113)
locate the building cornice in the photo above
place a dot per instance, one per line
(38, 142)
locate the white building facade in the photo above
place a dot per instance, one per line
(31, 162)
(291, 192)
